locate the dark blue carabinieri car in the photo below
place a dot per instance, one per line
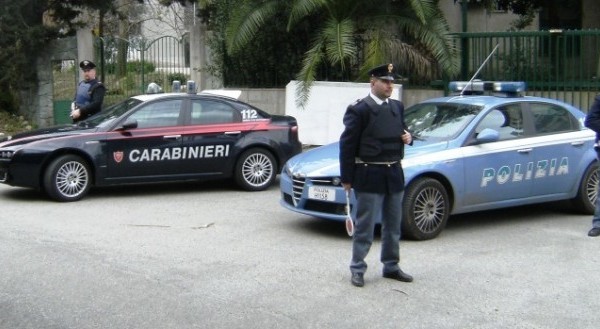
(154, 138)
(489, 147)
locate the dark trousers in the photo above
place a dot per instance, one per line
(371, 206)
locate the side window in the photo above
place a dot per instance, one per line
(513, 122)
(507, 120)
(549, 118)
(158, 114)
(492, 120)
(206, 112)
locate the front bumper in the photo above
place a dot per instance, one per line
(295, 197)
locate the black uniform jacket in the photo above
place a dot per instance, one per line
(366, 177)
(592, 119)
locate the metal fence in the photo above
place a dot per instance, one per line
(128, 66)
(560, 64)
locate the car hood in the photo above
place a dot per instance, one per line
(46, 133)
(323, 161)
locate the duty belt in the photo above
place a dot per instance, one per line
(376, 163)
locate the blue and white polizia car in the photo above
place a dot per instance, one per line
(471, 152)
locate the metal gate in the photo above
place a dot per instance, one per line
(126, 67)
(561, 64)
(64, 79)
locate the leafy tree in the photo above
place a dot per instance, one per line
(270, 60)
(526, 9)
(26, 27)
(411, 32)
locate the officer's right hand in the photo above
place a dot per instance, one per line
(347, 186)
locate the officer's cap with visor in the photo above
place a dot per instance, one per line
(86, 65)
(384, 72)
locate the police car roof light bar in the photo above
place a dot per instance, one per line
(176, 86)
(191, 87)
(480, 67)
(504, 87)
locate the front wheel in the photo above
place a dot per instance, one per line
(67, 178)
(255, 170)
(426, 209)
(585, 201)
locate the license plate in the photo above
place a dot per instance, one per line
(321, 193)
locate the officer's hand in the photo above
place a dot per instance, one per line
(347, 186)
(406, 137)
(75, 114)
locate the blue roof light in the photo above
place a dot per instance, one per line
(512, 88)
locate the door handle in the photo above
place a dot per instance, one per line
(577, 144)
(233, 132)
(175, 137)
(525, 150)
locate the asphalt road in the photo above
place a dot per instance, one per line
(210, 256)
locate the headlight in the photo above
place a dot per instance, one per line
(6, 155)
(287, 171)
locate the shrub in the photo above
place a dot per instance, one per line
(132, 66)
(183, 78)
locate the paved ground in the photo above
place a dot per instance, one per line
(209, 256)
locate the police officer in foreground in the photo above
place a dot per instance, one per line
(592, 121)
(371, 148)
(90, 94)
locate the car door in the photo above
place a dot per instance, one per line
(558, 149)
(210, 138)
(153, 148)
(498, 171)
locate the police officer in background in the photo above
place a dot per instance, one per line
(592, 121)
(90, 94)
(371, 147)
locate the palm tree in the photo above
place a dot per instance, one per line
(412, 32)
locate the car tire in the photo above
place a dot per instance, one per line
(585, 201)
(67, 178)
(255, 170)
(426, 208)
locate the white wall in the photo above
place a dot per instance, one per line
(320, 121)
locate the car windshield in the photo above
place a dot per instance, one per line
(107, 115)
(436, 122)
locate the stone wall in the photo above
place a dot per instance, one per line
(37, 101)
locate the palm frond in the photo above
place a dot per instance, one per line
(381, 49)
(312, 59)
(340, 45)
(245, 22)
(434, 37)
(375, 52)
(303, 8)
(423, 9)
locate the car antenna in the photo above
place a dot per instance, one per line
(469, 84)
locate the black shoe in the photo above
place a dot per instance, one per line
(594, 231)
(398, 275)
(357, 280)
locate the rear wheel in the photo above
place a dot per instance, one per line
(426, 209)
(255, 170)
(67, 178)
(585, 201)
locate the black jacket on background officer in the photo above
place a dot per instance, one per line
(592, 121)
(371, 148)
(90, 94)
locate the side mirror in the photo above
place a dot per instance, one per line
(487, 135)
(129, 124)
